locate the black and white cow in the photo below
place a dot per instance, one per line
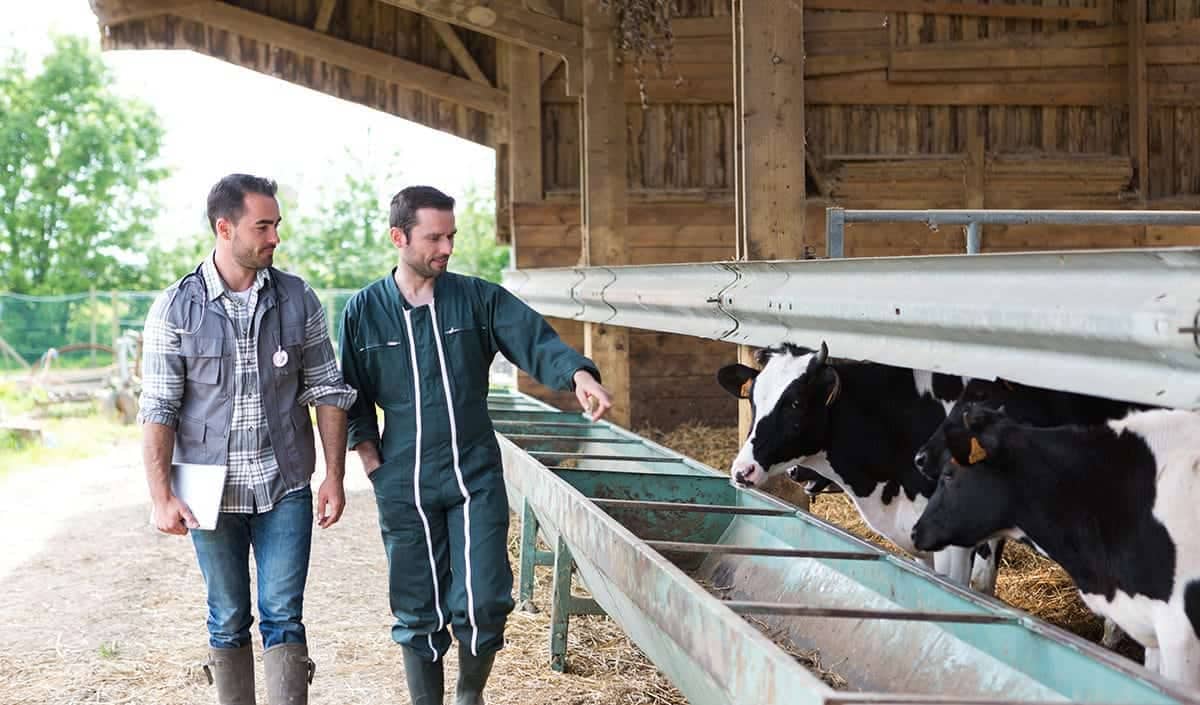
(858, 425)
(1113, 503)
(1035, 406)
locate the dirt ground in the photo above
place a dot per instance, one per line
(97, 607)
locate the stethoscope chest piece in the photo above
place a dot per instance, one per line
(280, 358)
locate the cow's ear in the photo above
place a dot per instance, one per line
(978, 454)
(736, 379)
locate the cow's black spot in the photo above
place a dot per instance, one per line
(1191, 605)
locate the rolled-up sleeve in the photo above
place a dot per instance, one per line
(162, 367)
(323, 382)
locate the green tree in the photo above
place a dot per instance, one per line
(476, 251)
(341, 242)
(76, 174)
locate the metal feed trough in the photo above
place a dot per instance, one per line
(645, 529)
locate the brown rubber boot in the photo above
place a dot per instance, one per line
(232, 671)
(288, 670)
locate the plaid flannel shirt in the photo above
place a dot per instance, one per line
(253, 483)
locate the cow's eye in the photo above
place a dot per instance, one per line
(795, 403)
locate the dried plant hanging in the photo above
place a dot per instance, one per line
(643, 28)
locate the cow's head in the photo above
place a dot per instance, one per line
(790, 398)
(981, 393)
(976, 493)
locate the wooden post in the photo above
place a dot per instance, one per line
(525, 125)
(603, 189)
(93, 305)
(116, 305)
(1139, 109)
(769, 195)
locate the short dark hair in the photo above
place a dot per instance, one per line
(408, 201)
(227, 199)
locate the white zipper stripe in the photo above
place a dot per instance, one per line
(462, 485)
(437, 594)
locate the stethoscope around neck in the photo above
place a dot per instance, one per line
(279, 358)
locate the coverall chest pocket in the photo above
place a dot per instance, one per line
(201, 358)
(387, 363)
(466, 354)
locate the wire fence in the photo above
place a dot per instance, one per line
(86, 326)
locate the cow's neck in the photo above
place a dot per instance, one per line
(869, 441)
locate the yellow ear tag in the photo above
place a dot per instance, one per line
(977, 452)
(746, 388)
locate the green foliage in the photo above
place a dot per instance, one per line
(341, 241)
(76, 174)
(476, 251)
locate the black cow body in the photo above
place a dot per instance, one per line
(855, 424)
(1114, 503)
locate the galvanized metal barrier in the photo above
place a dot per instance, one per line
(645, 529)
(836, 219)
(1123, 324)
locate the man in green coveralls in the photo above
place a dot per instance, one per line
(418, 343)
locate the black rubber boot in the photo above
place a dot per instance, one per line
(473, 673)
(426, 684)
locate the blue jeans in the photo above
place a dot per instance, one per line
(281, 539)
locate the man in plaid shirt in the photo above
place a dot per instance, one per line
(234, 354)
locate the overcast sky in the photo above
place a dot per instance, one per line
(211, 129)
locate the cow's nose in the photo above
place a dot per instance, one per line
(740, 477)
(920, 459)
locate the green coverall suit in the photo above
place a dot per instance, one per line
(440, 491)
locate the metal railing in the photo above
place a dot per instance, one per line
(1121, 324)
(836, 219)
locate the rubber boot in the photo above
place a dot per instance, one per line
(473, 673)
(232, 671)
(289, 670)
(426, 680)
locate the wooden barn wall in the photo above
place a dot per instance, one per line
(369, 23)
(904, 110)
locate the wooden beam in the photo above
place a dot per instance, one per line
(501, 144)
(603, 188)
(1139, 98)
(372, 63)
(879, 91)
(550, 64)
(324, 16)
(462, 55)
(525, 119)
(769, 98)
(1074, 39)
(114, 12)
(833, 64)
(952, 7)
(1024, 57)
(769, 136)
(1077, 74)
(508, 20)
(1184, 32)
